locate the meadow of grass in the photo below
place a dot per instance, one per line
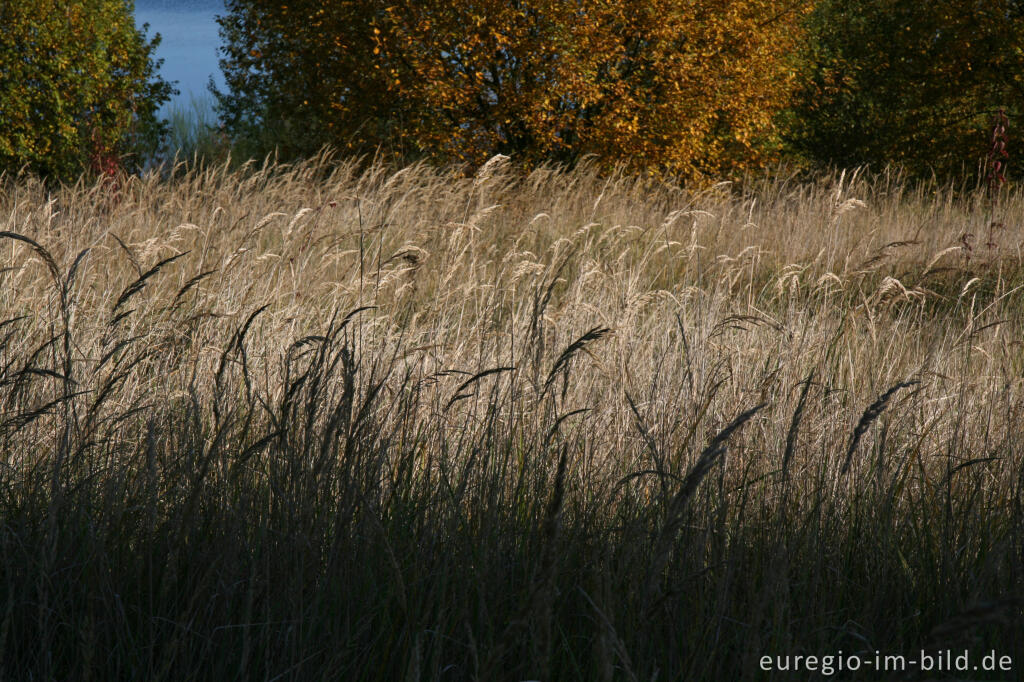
(324, 422)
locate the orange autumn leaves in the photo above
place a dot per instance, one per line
(681, 87)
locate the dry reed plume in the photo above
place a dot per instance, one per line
(323, 423)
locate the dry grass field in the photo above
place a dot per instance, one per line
(324, 423)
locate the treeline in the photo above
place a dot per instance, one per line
(685, 87)
(692, 89)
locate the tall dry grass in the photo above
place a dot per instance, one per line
(323, 423)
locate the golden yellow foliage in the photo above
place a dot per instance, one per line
(683, 87)
(671, 86)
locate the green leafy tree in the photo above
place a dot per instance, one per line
(682, 87)
(914, 83)
(78, 87)
(303, 74)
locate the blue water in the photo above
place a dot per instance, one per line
(189, 44)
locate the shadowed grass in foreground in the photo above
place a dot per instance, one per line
(314, 423)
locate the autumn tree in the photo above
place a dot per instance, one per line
(914, 83)
(683, 87)
(78, 87)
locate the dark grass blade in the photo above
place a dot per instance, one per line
(191, 283)
(73, 270)
(794, 424)
(131, 255)
(652, 445)
(562, 363)
(137, 286)
(558, 423)
(51, 264)
(873, 412)
(709, 456)
(666, 537)
(472, 380)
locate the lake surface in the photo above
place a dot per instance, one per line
(189, 44)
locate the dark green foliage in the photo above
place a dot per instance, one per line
(912, 83)
(301, 74)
